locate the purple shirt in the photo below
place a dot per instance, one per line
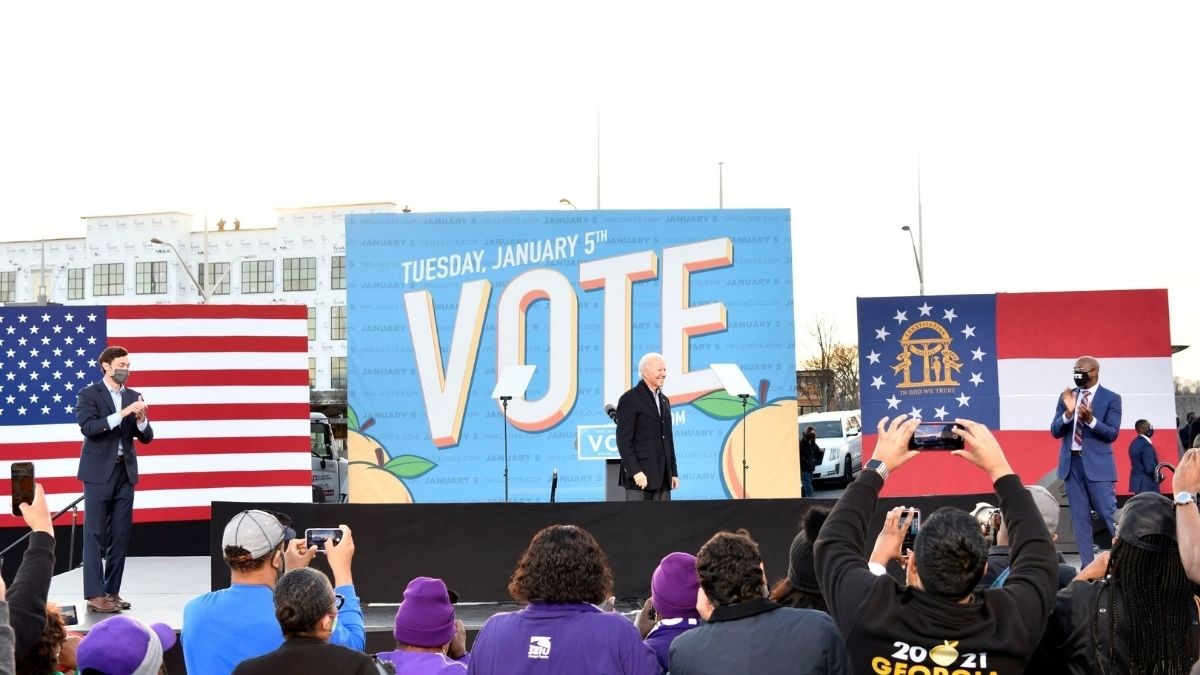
(663, 633)
(575, 638)
(425, 663)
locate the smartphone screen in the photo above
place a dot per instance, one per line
(911, 536)
(22, 485)
(936, 436)
(318, 536)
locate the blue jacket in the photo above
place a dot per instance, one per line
(575, 638)
(225, 627)
(99, 453)
(1142, 460)
(1098, 461)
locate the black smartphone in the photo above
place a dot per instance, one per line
(913, 528)
(23, 490)
(69, 616)
(936, 436)
(317, 536)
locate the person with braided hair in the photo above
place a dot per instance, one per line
(1140, 617)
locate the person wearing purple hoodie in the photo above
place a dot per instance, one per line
(429, 639)
(563, 575)
(671, 609)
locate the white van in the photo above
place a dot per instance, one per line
(839, 435)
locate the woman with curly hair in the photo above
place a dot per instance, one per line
(563, 575)
(43, 656)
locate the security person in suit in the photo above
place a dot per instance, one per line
(1088, 419)
(110, 416)
(648, 471)
(1142, 459)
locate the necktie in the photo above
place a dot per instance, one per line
(657, 405)
(1077, 438)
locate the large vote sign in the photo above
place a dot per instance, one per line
(441, 305)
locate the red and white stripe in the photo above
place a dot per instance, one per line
(227, 389)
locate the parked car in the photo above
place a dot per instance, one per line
(839, 435)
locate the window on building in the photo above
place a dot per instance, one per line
(213, 272)
(43, 283)
(299, 274)
(151, 277)
(108, 279)
(337, 372)
(8, 286)
(337, 322)
(312, 324)
(76, 277)
(258, 276)
(337, 274)
(312, 372)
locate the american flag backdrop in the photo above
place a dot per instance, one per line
(1004, 360)
(226, 386)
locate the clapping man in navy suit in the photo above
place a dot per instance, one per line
(644, 437)
(1088, 419)
(1142, 459)
(110, 416)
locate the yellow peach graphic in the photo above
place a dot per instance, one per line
(375, 477)
(372, 484)
(772, 452)
(944, 654)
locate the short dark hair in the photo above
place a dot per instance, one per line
(563, 563)
(109, 355)
(950, 553)
(730, 568)
(303, 597)
(1141, 426)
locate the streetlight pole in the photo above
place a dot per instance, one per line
(567, 202)
(203, 294)
(916, 258)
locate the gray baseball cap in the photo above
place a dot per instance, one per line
(259, 532)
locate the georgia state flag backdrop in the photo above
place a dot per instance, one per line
(1003, 360)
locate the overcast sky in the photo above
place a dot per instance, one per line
(1059, 143)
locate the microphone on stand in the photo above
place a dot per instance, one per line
(611, 411)
(553, 485)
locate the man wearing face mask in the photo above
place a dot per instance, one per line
(222, 628)
(1088, 419)
(110, 416)
(809, 452)
(1142, 459)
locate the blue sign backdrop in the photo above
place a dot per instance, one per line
(440, 304)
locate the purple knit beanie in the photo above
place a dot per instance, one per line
(425, 617)
(674, 585)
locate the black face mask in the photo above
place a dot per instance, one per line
(810, 436)
(1149, 433)
(1081, 379)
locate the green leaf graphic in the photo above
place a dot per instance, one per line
(409, 466)
(723, 406)
(351, 419)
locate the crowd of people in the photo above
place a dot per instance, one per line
(949, 602)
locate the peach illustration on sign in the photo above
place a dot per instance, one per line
(771, 442)
(374, 476)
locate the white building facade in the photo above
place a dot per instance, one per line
(302, 260)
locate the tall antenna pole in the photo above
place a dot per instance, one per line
(920, 226)
(597, 159)
(720, 185)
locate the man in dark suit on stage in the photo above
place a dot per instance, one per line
(644, 437)
(110, 416)
(1088, 419)
(1142, 459)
